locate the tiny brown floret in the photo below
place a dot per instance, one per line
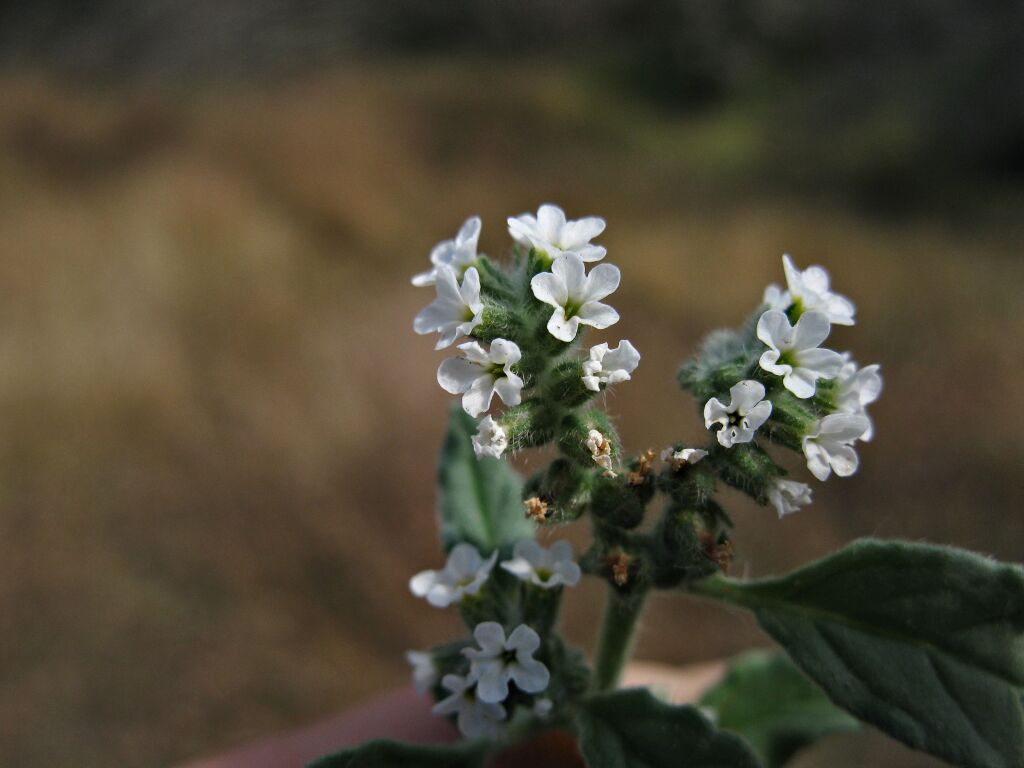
(536, 509)
(643, 469)
(620, 563)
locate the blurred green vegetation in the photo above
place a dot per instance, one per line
(210, 380)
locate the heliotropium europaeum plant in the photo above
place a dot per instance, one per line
(924, 642)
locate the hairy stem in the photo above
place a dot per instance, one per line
(615, 644)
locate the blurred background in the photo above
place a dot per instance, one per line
(218, 428)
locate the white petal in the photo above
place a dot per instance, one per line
(478, 397)
(469, 234)
(425, 278)
(570, 270)
(773, 329)
(561, 328)
(770, 362)
(529, 550)
(464, 560)
(758, 415)
(823, 363)
(492, 683)
(530, 676)
(816, 279)
(570, 573)
(811, 329)
(550, 288)
(800, 382)
(505, 351)
(817, 460)
(592, 383)
(519, 567)
(602, 281)
(490, 636)
(470, 290)
(456, 375)
(521, 227)
(523, 639)
(421, 583)
(597, 315)
(715, 412)
(844, 461)
(624, 357)
(550, 220)
(509, 389)
(591, 253)
(580, 232)
(745, 395)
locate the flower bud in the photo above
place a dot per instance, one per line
(615, 503)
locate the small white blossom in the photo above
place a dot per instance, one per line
(794, 353)
(463, 574)
(809, 291)
(609, 366)
(542, 707)
(424, 670)
(828, 446)
(550, 233)
(456, 311)
(746, 411)
(499, 661)
(600, 449)
(490, 439)
(787, 496)
(459, 254)
(678, 459)
(856, 389)
(476, 719)
(547, 568)
(576, 296)
(481, 373)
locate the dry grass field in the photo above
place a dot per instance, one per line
(219, 431)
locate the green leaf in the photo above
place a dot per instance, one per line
(771, 704)
(924, 642)
(480, 498)
(632, 729)
(394, 754)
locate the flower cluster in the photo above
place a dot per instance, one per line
(523, 322)
(477, 681)
(519, 328)
(803, 395)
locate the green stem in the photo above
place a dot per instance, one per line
(615, 644)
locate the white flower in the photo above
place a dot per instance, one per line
(788, 496)
(600, 449)
(609, 366)
(463, 574)
(459, 254)
(747, 411)
(677, 459)
(476, 719)
(481, 373)
(550, 233)
(776, 298)
(856, 389)
(546, 568)
(794, 353)
(456, 311)
(809, 290)
(499, 661)
(490, 439)
(542, 707)
(424, 671)
(829, 445)
(576, 296)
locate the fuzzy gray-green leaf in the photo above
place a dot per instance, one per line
(480, 499)
(924, 642)
(632, 729)
(774, 706)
